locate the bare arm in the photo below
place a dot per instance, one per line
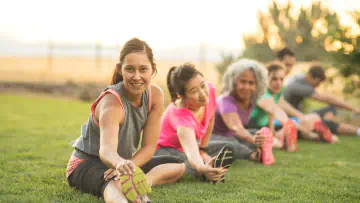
(269, 105)
(289, 109)
(233, 122)
(188, 142)
(204, 142)
(151, 129)
(271, 123)
(333, 101)
(110, 114)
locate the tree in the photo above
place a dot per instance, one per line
(226, 60)
(346, 55)
(311, 32)
(304, 30)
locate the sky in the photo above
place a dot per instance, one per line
(163, 24)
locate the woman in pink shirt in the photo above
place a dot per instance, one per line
(187, 123)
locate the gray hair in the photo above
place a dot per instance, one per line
(240, 66)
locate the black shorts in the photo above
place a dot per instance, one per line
(333, 126)
(88, 176)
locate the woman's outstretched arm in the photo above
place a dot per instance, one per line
(111, 114)
(233, 122)
(289, 109)
(151, 129)
(204, 141)
(269, 105)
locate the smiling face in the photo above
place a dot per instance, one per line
(196, 92)
(276, 80)
(245, 86)
(136, 71)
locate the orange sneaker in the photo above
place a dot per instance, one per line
(267, 156)
(290, 136)
(324, 132)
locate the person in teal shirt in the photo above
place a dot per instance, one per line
(272, 105)
(259, 115)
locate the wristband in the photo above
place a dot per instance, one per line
(204, 149)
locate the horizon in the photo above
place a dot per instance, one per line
(219, 27)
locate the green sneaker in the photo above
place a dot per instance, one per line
(134, 185)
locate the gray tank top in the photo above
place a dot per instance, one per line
(129, 132)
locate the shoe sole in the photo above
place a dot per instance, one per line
(290, 139)
(267, 136)
(225, 158)
(325, 133)
(129, 185)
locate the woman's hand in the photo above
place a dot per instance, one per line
(110, 173)
(259, 140)
(213, 174)
(125, 167)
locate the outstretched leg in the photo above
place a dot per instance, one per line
(348, 129)
(113, 193)
(328, 115)
(166, 173)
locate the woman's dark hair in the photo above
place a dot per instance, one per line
(177, 78)
(273, 67)
(131, 46)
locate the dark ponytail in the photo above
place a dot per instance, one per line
(116, 77)
(171, 76)
(131, 46)
(177, 78)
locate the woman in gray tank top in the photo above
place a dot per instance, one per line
(109, 145)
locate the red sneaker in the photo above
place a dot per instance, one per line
(324, 132)
(290, 136)
(267, 156)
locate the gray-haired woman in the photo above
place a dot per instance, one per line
(243, 82)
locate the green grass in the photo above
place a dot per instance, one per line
(34, 144)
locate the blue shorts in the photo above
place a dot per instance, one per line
(277, 123)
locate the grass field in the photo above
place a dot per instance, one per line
(35, 133)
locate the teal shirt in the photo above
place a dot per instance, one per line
(258, 114)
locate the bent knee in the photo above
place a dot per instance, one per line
(179, 171)
(182, 169)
